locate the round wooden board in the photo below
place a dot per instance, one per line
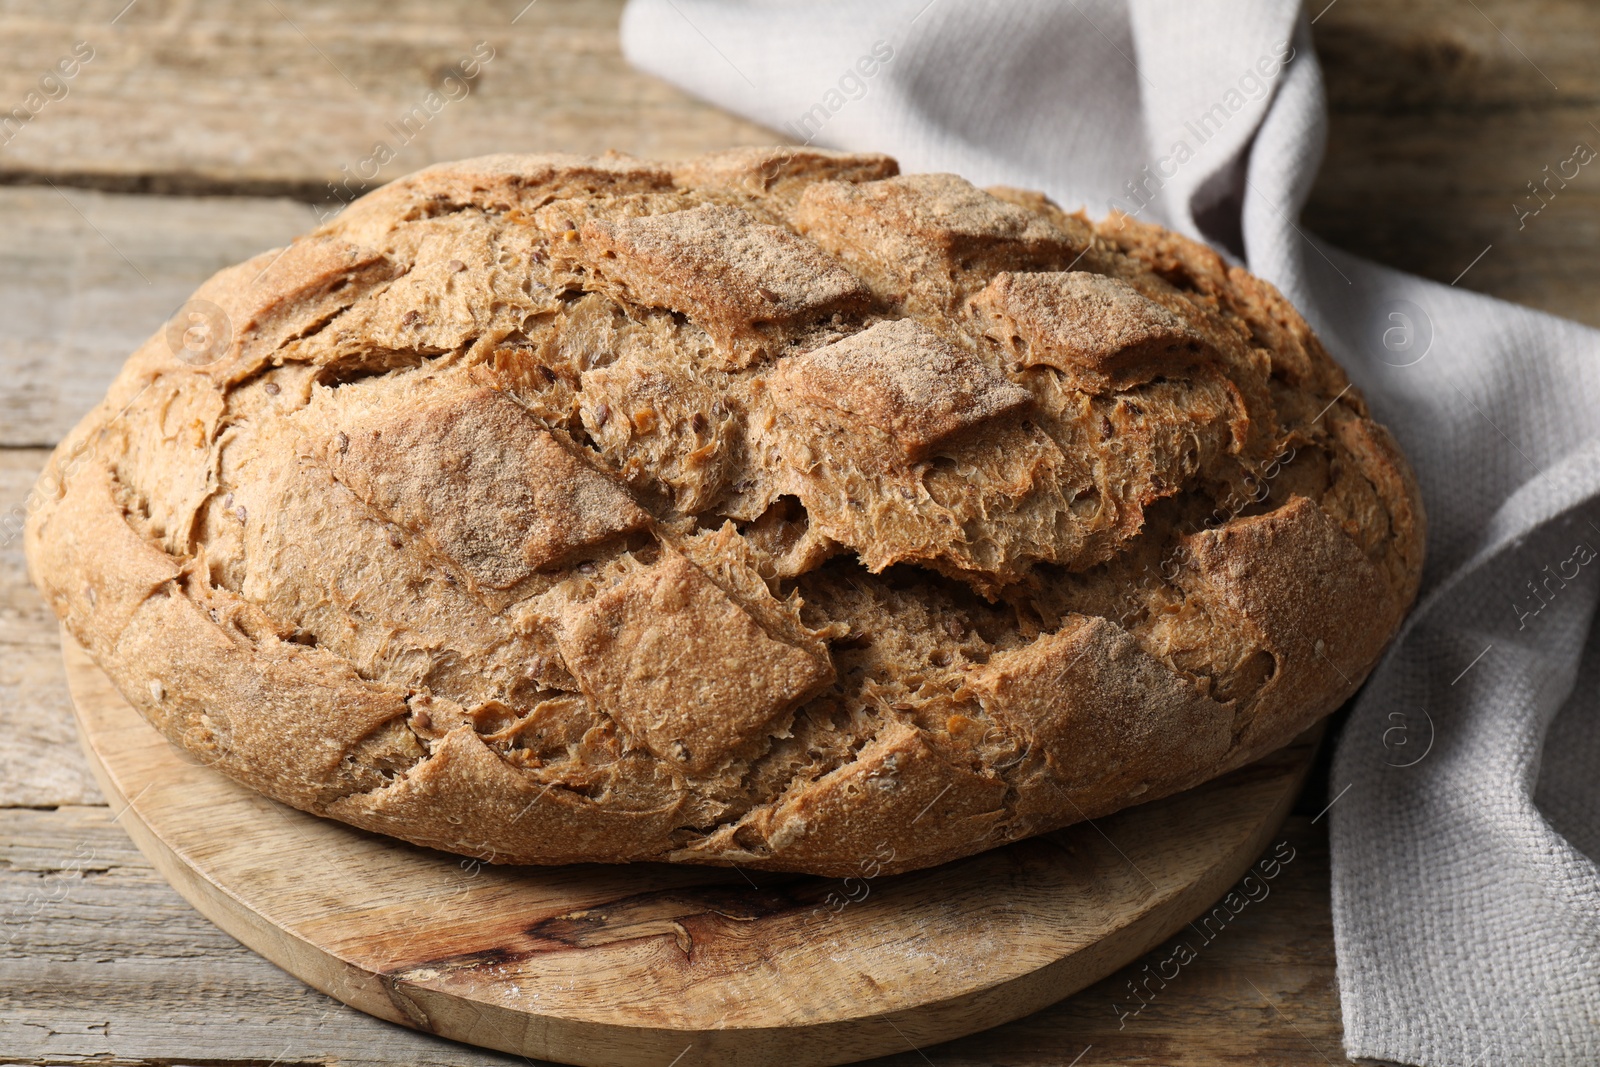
(646, 965)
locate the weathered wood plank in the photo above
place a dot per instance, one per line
(40, 762)
(268, 98)
(1421, 56)
(85, 277)
(1441, 113)
(1261, 990)
(100, 958)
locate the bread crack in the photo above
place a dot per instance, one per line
(754, 509)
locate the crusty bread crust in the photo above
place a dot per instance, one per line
(767, 509)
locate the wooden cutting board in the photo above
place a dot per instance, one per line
(650, 965)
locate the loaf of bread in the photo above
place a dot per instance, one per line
(772, 509)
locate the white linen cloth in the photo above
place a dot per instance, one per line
(1465, 820)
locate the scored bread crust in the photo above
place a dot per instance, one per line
(770, 508)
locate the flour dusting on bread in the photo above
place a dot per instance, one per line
(767, 509)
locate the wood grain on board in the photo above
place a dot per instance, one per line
(627, 965)
(101, 959)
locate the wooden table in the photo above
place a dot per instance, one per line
(197, 135)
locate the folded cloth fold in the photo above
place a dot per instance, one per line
(1465, 796)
